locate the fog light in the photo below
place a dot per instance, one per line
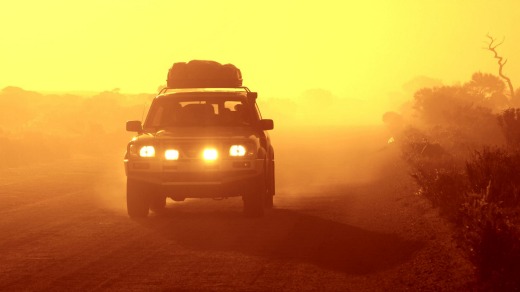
(171, 154)
(210, 154)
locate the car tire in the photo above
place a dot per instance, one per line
(270, 187)
(254, 199)
(158, 203)
(137, 199)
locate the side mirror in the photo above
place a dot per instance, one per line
(266, 124)
(252, 95)
(134, 126)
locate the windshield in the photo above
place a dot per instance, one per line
(188, 111)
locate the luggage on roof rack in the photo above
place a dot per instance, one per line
(203, 74)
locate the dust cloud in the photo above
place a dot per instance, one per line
(312, 159)
(323, 140)
(320, 140)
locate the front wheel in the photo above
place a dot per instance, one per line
(137, 199)
(158, 203)
(253, 204)
(254, 199)
(270, 186)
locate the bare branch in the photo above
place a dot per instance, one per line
(492, 47)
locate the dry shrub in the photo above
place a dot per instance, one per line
(491, 236)
(482, 199)
(442, 183)
(478, 190)
(440, 178)
(490, 218)
(509, 121)
(496, 172)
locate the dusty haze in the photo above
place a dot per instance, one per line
(72, 74)
(361, 52)
(312, 148)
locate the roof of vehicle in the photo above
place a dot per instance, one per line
(167, 91)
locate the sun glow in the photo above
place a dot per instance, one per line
(359, 51)
(343, 46)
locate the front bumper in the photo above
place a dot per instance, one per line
(197, 178)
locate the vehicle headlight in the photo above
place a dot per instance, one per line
(171, 154)
(237, 151)
(147, 151)
(210, 154)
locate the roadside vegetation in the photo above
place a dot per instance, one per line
(36, 127)
(462, 143)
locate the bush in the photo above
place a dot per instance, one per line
(480, 195)
(509, 121)
(492, 238)
(440, 178)
(443, 183)
(490, 217)
(495, 172)
(478, 190)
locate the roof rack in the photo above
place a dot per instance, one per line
(165, 89)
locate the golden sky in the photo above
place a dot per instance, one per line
(355, 49)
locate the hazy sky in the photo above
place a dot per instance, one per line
(355, 49)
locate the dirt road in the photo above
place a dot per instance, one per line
(346, 219)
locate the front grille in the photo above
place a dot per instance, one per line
(191, 150)
(214, 176)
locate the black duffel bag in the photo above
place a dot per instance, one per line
(203, 74)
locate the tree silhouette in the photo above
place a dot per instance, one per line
(501, 63)
(487, 90)
(457, 116)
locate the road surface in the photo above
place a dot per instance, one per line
(346, 218)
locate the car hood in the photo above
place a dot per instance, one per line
(199, 133)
